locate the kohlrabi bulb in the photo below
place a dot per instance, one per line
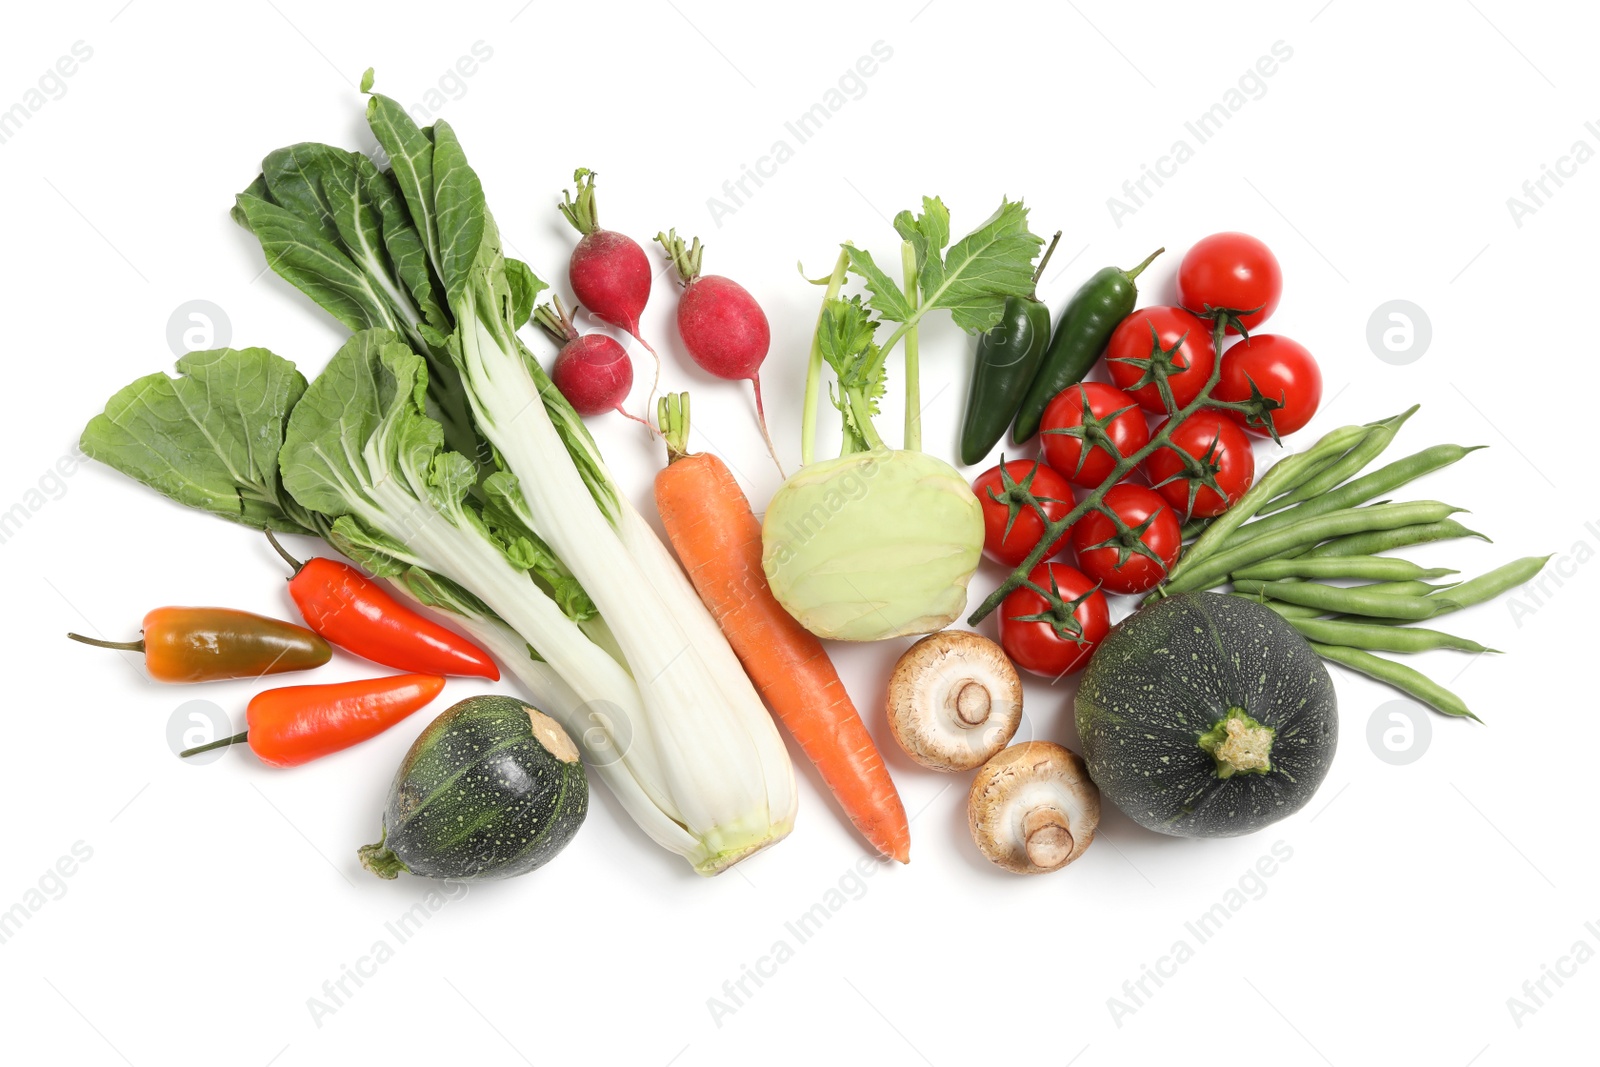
(873, 545)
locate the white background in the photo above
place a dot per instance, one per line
(218, 899)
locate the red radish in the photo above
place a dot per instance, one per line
(721, 324)
(609, 273)
(592, 370)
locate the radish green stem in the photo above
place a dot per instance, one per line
(808, 420)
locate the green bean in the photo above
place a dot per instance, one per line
(1363, 489)
(1490, 585)
(1287, 610)
(1352, 463)
(1375, 568)
(1408, 588)
(1280, 478)
(1333, 599)
(1382, 638)
(1307, 532)
(1480, 589)
(1412, 683)
(1382, 540)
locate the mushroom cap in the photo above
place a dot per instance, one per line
(1032, 808)
(954, 700)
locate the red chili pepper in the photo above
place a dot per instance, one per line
(204, 644)
(300, 723)
(353, 611)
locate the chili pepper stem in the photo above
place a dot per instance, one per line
(1135, 272)
(221, 742)
(296, 565)
(120, 646)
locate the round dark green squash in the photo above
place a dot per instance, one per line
(1207, 715)
(491, 789)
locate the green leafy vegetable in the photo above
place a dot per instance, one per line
(209, 438)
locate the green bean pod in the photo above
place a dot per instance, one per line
(1375, 637)
(1333, 599)
(1216, 568)
(1372, 568)
(1339, 472)
(1410, 682)
(1370, 542)
(1080, 336)
(1490, 585)
(1280, 477)
(1363, 489)
(1292, 612)
(1412, 588)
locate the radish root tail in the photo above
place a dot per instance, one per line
(761, 418)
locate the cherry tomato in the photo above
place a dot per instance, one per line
(1215, 445)
(1231, 270)
(1282, 370)
(1124, 567)
(1011, 527)
(1054, 639)
(1181, 341)
(1065, 429)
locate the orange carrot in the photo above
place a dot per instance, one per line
(711, 527)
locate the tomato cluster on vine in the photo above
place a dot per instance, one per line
(1128, 534)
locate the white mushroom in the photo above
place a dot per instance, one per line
(954, 700)
(1033, 808)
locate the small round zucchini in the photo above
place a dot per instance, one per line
(1207, 715)
(491, 789)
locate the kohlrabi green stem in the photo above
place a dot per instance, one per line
(808, 420)
(1124, 464)
(908, 267)
(861, 409)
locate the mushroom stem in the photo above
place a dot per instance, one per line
(972, 703)
(1047, 838)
